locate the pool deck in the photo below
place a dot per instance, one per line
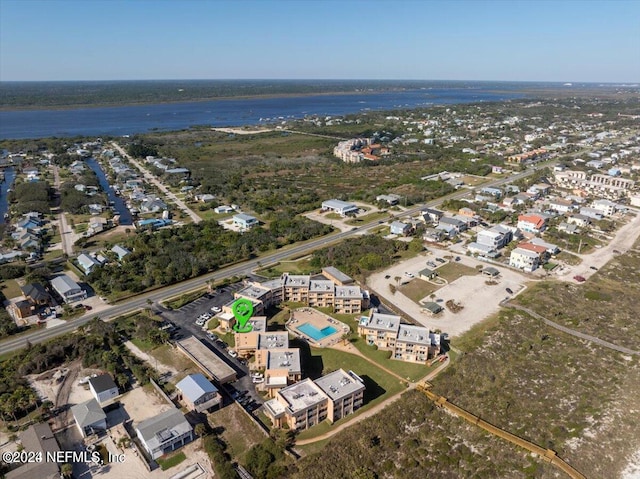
(319, 321)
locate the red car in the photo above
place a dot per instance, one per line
(579, 279)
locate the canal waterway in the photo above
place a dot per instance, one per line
(117, 202)
(9, 176)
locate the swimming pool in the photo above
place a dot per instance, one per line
(315, 333)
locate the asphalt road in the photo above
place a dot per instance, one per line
(142, 301)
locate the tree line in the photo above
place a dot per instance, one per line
(176, 254)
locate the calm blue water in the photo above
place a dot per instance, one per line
(118, 203)
(129, 120)
(315, 333)
(9, 176)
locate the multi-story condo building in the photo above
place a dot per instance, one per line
(331, 289)
(406, 342)
(307, 403)
(524, 259)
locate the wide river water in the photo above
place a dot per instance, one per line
(128, 120)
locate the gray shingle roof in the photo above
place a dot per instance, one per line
(88, 413)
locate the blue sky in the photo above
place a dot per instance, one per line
(347, 39)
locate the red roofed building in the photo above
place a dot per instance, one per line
(532, 223)
(541, 251)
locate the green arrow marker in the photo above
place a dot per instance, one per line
(242, 310)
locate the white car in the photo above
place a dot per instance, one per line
(215, 309)
(206, 316)
(257, 380)
(200, 321)
(411, 275)
(233, 353)
(257, 376)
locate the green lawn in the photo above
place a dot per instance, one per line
(360, 220)
(11, 289)
(53, 254)
(143, 344)
(453, 271)
(212, 215)
(167, 462)
(417, 289)
(300, 266)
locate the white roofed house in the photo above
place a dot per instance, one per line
(198, 393)
(121, 251)
(244, 221)
(341, 207)
(68, 289)
(164, 433)
(400, 228)
(87, 263)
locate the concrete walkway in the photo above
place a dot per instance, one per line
(377, 408)
(572, 332)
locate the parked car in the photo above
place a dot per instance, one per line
(212, 336)
(257, 380)
(206, 316)
(233, 353)
(457, 258)
(215, 309)
(440, 260)
(509, 291)
(257, 375)
(386, 276)
(200, 321)
(579, 279)
(432, 264)
(593, 268)
(410, 275)
(87, 307)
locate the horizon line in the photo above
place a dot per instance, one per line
(620, 83)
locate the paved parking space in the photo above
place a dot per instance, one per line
(479, 299)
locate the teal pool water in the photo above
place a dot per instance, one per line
(315, 333)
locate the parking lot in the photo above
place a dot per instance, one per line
(184, 320)
(478, 298)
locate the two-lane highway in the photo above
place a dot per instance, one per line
(140, 302)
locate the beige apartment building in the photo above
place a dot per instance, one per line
(307, 403)
(332, 289)
(405, 341)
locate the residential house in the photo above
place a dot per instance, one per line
(449, 231)
(579, 220)
(400, 228)
(497, 237)
(561, 205)
(121, 251)
(68, 289)
(524, 259)
(433, 235)
(459, 225)
(532, 223)
(551, 248)
(198, 393)
(223, 209)
(36, 294)
(591, 213)
(429, 215)
(87, 263)
(244, 221)
(606, 207)
(571, 229)
(390, 199)
(37, 439)
(90, 418)
(152, 205)
(164, 433)
(103, 388)
(494, 192)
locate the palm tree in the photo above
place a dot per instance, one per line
(397, 279)
(66, 470)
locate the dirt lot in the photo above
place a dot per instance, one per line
(143, 403)
(479, 299)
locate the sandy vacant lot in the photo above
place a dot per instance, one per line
(479, 299)
(143, 402)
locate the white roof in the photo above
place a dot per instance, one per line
(339, 384)
(382, 322)
(302, 395)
